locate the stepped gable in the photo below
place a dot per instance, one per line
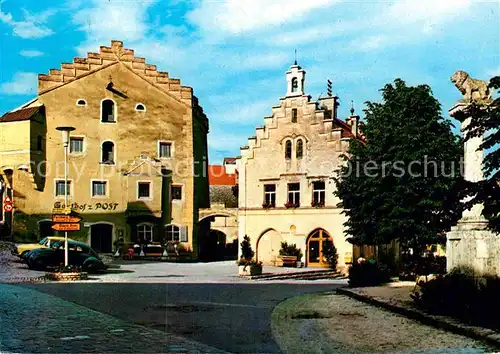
(108, 56)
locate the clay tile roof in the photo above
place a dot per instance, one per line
(21, 114)
(217, 176)
(229, 160)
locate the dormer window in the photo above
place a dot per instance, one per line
(140, 107)
(295, 85)
(288, 150)
(108, 111)
(81, 102)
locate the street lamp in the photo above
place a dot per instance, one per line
(65, 138)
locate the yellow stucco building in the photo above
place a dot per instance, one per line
(286, 177)
(136, 156)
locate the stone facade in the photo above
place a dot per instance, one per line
(286, 177)
(138, 135)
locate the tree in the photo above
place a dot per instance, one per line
(486, 121)
(246, 249)
(403, 181)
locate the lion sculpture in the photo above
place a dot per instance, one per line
(472, 89)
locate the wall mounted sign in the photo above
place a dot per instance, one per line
(89, 206)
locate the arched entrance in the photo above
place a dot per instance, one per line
(268, 247)
(101, 238)
(318, 241)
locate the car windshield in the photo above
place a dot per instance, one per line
(43, 241)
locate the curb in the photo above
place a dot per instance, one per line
(20, 280)
(439, 322)
(290, 275)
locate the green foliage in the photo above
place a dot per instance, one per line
(290, 250)
(486, 121)
(331, 256)
(367, 274)
(403, 182)
(246, 249)
(464, 295)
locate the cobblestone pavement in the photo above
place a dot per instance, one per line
(330, 323)
(12, 269)
(33, 322)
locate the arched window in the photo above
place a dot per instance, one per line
(288, 150)
(140, 107)
(108, 111)
(295, 85)
(172, 233)
(108, 153)
(300, 149)
(145, 232)
(81, 102)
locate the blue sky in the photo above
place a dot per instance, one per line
(234, 53)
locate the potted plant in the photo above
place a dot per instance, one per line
(291, 251)
(289, 205)
(246, 264)
(267, 205)
(317, 204)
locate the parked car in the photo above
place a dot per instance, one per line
(22, 249)
(79, 254)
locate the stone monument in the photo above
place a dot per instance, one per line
(469, 243)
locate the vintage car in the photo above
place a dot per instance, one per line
(22, 249)
(79, 254)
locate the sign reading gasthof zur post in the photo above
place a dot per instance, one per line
(66, 227)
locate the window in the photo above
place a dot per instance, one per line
(294, 115)
(75, 145)
(108, 111)
(99, 188)
(295, 84)
(39, 143)
(81, 102)
(145, 232)
(270, 194)
(300, 149)
(319, 193)
(140, 107)
(173, 233)
(176, 192)
(288, 150)
(294, 193)
(165, 149)
(61, 187)
(143, 190)
(108, 153)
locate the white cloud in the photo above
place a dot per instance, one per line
(245, 15)
(427, 13)
(31, 53)
(22, 83)
(32, 26)
(105, 20)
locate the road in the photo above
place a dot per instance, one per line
(231, 317)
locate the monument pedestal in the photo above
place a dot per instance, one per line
(469, 244)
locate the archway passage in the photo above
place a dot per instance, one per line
(268, 247)
(45, 228)
(318, 242)
(101, 238)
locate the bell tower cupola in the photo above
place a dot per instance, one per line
(295, 78)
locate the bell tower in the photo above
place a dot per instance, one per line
(295, 78)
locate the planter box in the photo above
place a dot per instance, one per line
(249, 270)
(68, 276)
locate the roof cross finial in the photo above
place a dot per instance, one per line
(352, 107)
(295, 62)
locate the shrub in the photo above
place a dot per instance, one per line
(367, 274)
(464, 295)
(415, 266)
(331, 256)
(247, 254)
(290, 250)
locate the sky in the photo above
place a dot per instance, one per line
(234, 53)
